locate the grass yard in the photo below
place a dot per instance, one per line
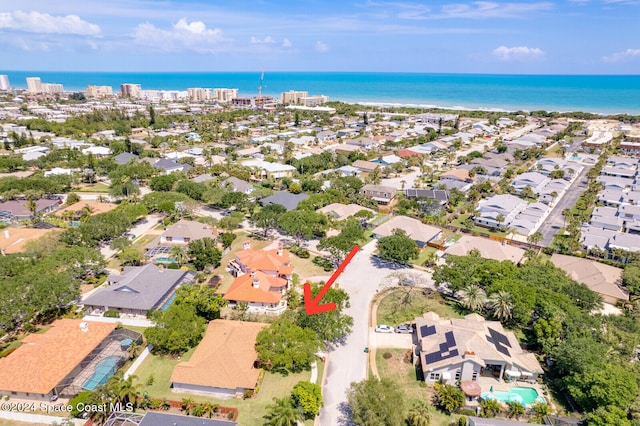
(306, 268)
(459, 222)
(392, 311)
(250, 410)
(406, 377)
(424, 252)
(98, 187)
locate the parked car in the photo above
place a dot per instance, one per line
(382, 328)
(404, 328)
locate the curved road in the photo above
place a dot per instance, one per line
(348, 363)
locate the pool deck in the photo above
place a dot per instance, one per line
(487, 382)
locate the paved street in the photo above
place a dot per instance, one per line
(555, 220)
(348, 363)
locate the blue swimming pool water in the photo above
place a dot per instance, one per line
(103, 370)
(528, 395)
(168, 302)
(165, 259)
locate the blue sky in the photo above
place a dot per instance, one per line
(537, 36)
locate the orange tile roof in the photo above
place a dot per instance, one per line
(14, 240)
(44, 360)
(96, 207)
(224, 358)
(266, 260)
(242, 288)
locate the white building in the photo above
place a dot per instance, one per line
(34, 85)
(198, 94)
(99, 91)
(224, 95)
(4, 82)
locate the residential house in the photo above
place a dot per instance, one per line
(124, 158)
(58, 171)
(529, 219)
(285, 198)
(206, 177)
(342, 211)
(158, 418)
(75, 210)
(138, 290)
(45, 365)
(416, 230)
(237, 185)
(180, 234)
(458, 350)
(386, 160)
(262, 279)
(489, 249)
(365, 166)
(548, 165)
(363, 143)
(606, 218)
(600, 278)
(271, 170)
(383, 195)
(224, 364)
(615, 182)
(168, 166)
(19, 209)
(503, 206)
(348, 171)
(534, 180)
(14, 240)
(459, 174)
(438, 195)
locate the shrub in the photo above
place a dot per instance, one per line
(230, 416)
(387, 355)
(301, 252)
(111, 313)
(173, 266)
(462, 421)
(324, 263)
(7, 352)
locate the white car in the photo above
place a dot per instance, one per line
(382, 328)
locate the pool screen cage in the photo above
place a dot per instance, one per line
(119, 418)
(112, 346)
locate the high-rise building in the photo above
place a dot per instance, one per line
(52, 88)
(199, 94)
(312, 101)
(4, 82)
(293, 97)
(34, 85)
(99, 91)
(131, 90)
(224, 95)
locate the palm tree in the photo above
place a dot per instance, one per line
(565, 213)
(516, 409)
(127, 390)
(501, 305)
(489, 408)
(86, 213)
(186, 404)
(500, 219)
(472, 297)
(450, 398)
(283, 413)
(32, 207)
(420, 414)
(209, 408)
(179, 254)
(535, 238)
(133, 350)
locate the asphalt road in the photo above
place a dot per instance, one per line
(555, 220)
(348, 363)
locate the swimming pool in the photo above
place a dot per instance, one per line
(526, 396)
(165, 260)
(104, 369)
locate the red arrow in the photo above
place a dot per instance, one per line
(311, 305)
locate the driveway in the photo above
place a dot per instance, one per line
(390, 340)
(555, 221)
(396, 182)
(348, 363)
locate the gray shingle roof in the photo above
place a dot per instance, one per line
(164, 419)
(285, 198)
(140, 287)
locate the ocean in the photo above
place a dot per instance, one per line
(601, 94)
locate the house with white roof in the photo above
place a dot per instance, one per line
(536, 181)
(271, 170)
(505, 205)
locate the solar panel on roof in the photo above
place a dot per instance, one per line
(427, 330)
(446, 349)
(500, 341)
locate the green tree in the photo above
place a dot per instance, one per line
(130, 256)
(179, 254)
(516, 409)
(420, 414)
(631, 277)
(601, 387)
(501, 305)
(295, 188)
(177, 329)
(376, 402)
(203, 253)
(163, 183)
(268, 217)
(283, 413)
(206, 301)
(398, 247)
(330, 326)
(227, 239)
(238, 199)
(472, 297)
(608, 416)
(303, 224)
(535, 238)
(308, 397)
(489, 407)
(448, 397)
(287, 347)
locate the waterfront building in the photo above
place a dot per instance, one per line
(199, 94)
(224, 95)
(99, 91)
(34, 85)
(4, 82)
(129, 90)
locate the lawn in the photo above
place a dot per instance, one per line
(459, 222)
(424, 252)
(98, 187)
(392, 311)
(405, 375)
(251, 410)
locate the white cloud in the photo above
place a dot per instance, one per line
(487, 9)
(36, 22)
(194, 36)
(266, 40)
(517, 53)
(286, 43)
(622, 56)
(321, 47)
